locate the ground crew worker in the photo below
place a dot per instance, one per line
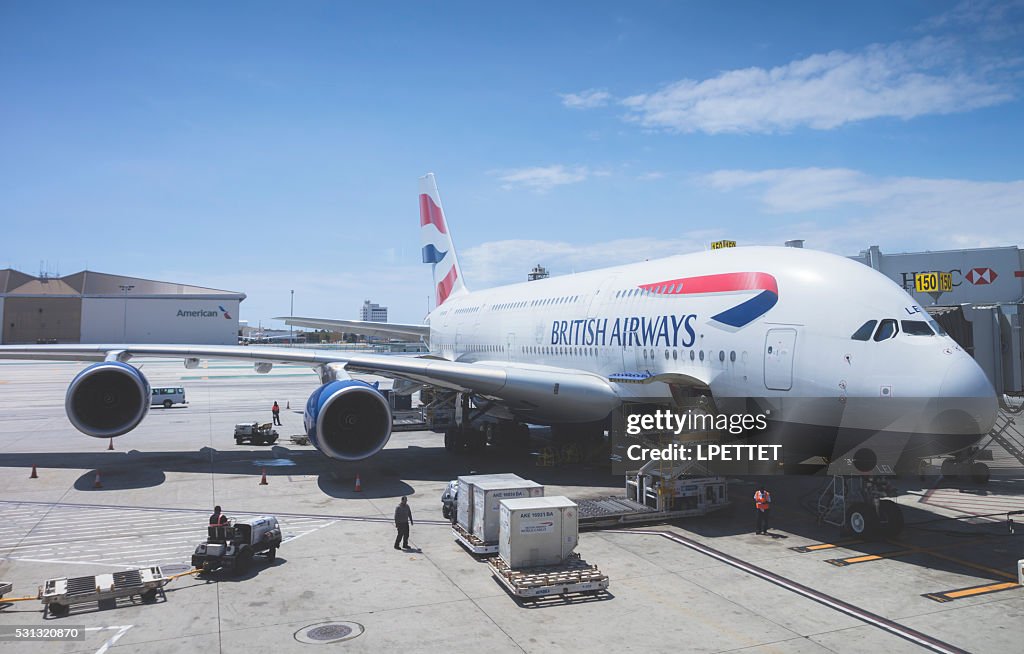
(403, 518)
(762, 505)
(218, 519)
(276, 410)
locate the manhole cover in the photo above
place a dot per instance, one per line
(328, 632)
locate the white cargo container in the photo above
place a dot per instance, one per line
(537, 531)
(487, 493)
(464, 503)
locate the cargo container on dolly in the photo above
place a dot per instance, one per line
(537, 536)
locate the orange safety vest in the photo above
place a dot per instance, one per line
(762, 500)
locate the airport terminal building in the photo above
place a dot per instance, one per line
(92, 307)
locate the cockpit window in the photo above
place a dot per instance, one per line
(916, 328)
(886, 330)
(937, 327)
(864, 333)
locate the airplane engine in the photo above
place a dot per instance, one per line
(348, 420)
(107, 399)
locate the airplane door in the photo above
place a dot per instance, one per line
(510, 345)
(779, 348)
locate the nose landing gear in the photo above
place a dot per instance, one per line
(860, 506)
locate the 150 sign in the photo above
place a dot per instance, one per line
(933, 282)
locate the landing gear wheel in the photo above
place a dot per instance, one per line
(476, 441)
(452, 439)
(890, 517)
(861, 520)
(950, 469)
(979, 473)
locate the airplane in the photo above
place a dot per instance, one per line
(838, 358)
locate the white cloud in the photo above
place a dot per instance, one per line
(589, 99)
(544, 178)
(844, 210)
(825, 91)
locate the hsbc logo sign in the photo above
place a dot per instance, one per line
(981, 276)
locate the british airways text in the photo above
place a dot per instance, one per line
(633, 331)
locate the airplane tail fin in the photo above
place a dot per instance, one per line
(438, 248)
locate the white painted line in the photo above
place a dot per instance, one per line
(110, 643)
(18, 558)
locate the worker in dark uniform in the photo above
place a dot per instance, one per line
(276, 410)
(762, 505)
(403, 518)
(218, 519)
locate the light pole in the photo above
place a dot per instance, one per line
(291, 328)
(124, 327)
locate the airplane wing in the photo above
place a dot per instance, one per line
(521, 387)
(386, 329)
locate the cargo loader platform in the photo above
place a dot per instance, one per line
(656, 496)
(472, 543)
(573, 577)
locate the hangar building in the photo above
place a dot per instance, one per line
(92, 307)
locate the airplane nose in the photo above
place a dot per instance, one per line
(965, 388)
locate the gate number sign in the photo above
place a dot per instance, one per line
(932, 282)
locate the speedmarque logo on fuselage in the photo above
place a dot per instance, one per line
(673, 330)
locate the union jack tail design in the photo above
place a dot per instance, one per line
(438, 249)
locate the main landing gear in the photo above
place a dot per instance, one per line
(473, 430)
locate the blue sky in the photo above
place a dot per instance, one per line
(262, 147)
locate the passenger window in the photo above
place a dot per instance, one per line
(864, 333)
(916, 328)
(887, 329)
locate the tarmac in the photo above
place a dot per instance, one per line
(946, 577)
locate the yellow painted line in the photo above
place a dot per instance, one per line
(967, 564)
(991, 588)
(862, 559)
(828, 546)
(803, 549)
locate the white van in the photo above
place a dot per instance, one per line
(168, 397)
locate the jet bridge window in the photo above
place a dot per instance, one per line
(916, 328)
(886, 330)
(865, 330)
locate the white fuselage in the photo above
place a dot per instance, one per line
(797, 354)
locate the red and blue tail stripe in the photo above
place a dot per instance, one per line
(738, 316)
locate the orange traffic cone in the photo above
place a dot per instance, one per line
(263, 482)
(359, 485)
(111, 446)
(33, 475)
(97, 483)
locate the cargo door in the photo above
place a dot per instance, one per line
(779, 349)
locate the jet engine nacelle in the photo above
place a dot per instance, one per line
(348, 420)
(107, 399)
